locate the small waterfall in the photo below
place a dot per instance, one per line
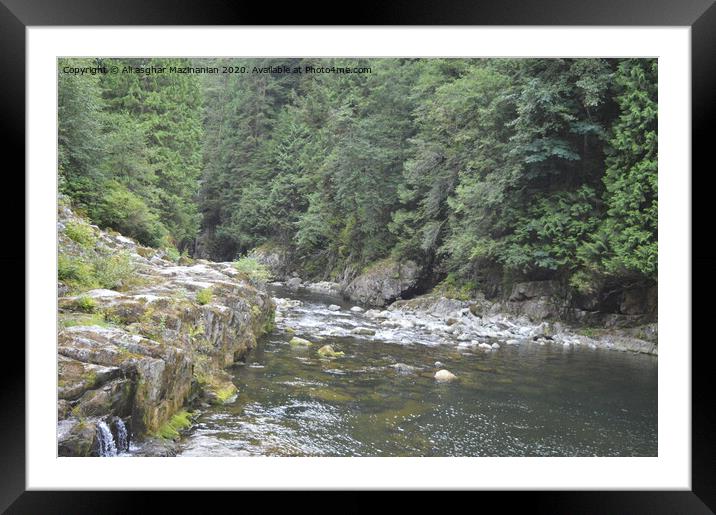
(105, 439)
(122, 436)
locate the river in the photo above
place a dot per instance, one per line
(381, 398)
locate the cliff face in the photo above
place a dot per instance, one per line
(141, 335)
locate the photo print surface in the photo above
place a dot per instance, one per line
(357, 257)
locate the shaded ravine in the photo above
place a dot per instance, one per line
(381, 399)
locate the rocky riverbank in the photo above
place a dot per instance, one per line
(545, 311)
(142, 337)
(478, 324)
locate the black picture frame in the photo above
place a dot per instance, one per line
(16, 15)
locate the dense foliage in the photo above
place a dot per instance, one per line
(481, 170)
(130, 148)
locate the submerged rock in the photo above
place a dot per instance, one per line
(444, 376)
(404, 369)
(328, 352)
(363, 331)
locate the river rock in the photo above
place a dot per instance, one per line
(444, 376)
(334, 307)
(365, 331)
(294, 283)
(77, 438)
(328, 352)
(404, 369)
(324, 287)
(299, 342)
(287, 303)
(357, 309)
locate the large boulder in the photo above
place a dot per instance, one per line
(639, 301)
(538, 300)
(383, 282)
(274, 257)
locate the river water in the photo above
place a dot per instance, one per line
(381, 399)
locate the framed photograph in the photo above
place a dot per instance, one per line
(433, 250)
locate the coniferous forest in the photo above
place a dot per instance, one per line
(487, 223)
(475, 168)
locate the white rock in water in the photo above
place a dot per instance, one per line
(363, 330)
(334, 307)
(495, 345)
(438, 364)
(357, 309)
(444, 376)
(485, 346)
(294, 283)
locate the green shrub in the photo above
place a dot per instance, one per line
(76, 273)
(127, 213)
(99, 271)
(172, 253)
(81, 233)
(185, 259)
(255, 271)
(86, 304)
(204, 296)
(455, 288)
(112, 271)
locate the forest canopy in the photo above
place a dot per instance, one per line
(479, 170)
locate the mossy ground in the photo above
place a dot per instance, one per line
(82, 319)
(171, 430)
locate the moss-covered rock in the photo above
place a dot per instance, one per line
(328, 352)
(383, 282)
